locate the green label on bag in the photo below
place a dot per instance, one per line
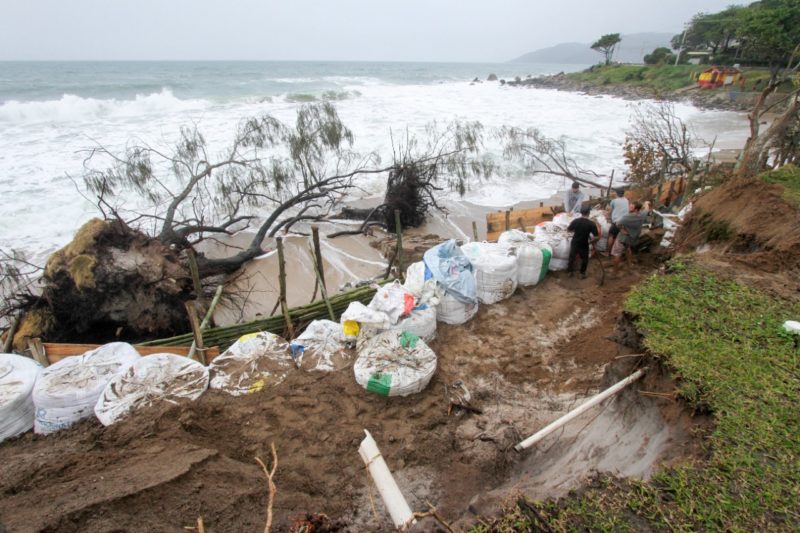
(546, 254)
(380, 384)
(408, 340)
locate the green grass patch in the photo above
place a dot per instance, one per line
(789, 177)
(726, 346)
(662, 78)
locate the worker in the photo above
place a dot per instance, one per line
(619, 208)
(573, 199)
(630, 227)
(583, 229)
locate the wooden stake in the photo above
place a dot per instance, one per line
(610, 184)
(690, 181)
(661, 179)
(321, 284)
(198, 287)
(399, 254)
(282, 281)
(317, 255)
(196, 331)
(508, 220)
(37, 351)
(475, 231)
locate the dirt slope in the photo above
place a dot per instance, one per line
(526, 361)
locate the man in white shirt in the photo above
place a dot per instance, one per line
(619, 208)
(573, 199)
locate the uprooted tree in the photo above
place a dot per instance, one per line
(126, 276)
(657, 144)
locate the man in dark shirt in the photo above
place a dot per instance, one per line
(584, 229)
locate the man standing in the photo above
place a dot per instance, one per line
(584, 229)
(619, 208)
(573, 199)
(630, 227)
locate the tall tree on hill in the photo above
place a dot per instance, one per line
(606, 45)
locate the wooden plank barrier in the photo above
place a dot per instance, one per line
(57, 351)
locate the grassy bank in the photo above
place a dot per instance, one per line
(657, 78)
(727, 349)
(789, 177)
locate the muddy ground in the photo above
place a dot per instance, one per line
(526, 361)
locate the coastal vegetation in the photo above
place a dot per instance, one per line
(606, 45)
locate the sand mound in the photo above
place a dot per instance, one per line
(526, 361)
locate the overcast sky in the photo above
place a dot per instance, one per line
(367, 30)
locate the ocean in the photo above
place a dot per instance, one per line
(51, 113)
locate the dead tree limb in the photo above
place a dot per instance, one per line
(270, 474)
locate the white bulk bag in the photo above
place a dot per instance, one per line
(321, 347)
(559, 241)
(17, 376)
(452, 311)
(533, 258)
(598, 217)
(254, 361)
(157, 378)
(495, 270)
(393, 300)
(420, 283)
(67, 391)
(394, 363)
(421, 322)
(360, 322)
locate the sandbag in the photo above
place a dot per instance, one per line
(533, 258)
(452, 270)
(254, 361)
(393, 300)
(421, 322)
(67, 391)
(17, 377)
(395, 363)
(495, 270)
(321, 347)
(157, 378)
(559, 241)
(359, 321)
(452, 311)
(598, 216)
(420, 283)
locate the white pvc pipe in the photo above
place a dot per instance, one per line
(387, 487)
(542, 433)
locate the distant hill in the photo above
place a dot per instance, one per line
(631, 49)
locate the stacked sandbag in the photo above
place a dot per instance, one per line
(533, 258)
(321, 347)
(151, 380)
(555, 236)
(67, 391)
(598, 216)
(393, 300)
(360, 322)
(255, 361)
(17, 377)
(453, 272)
(421, 321)
(453, 311)
(495, 270)
(395, 363)
(421, 284)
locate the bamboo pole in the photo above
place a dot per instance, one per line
(475, 231)
(611, 391)
(207, 319)
(399, 254)
(282, 281)
(191, 310)
(321, 283)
